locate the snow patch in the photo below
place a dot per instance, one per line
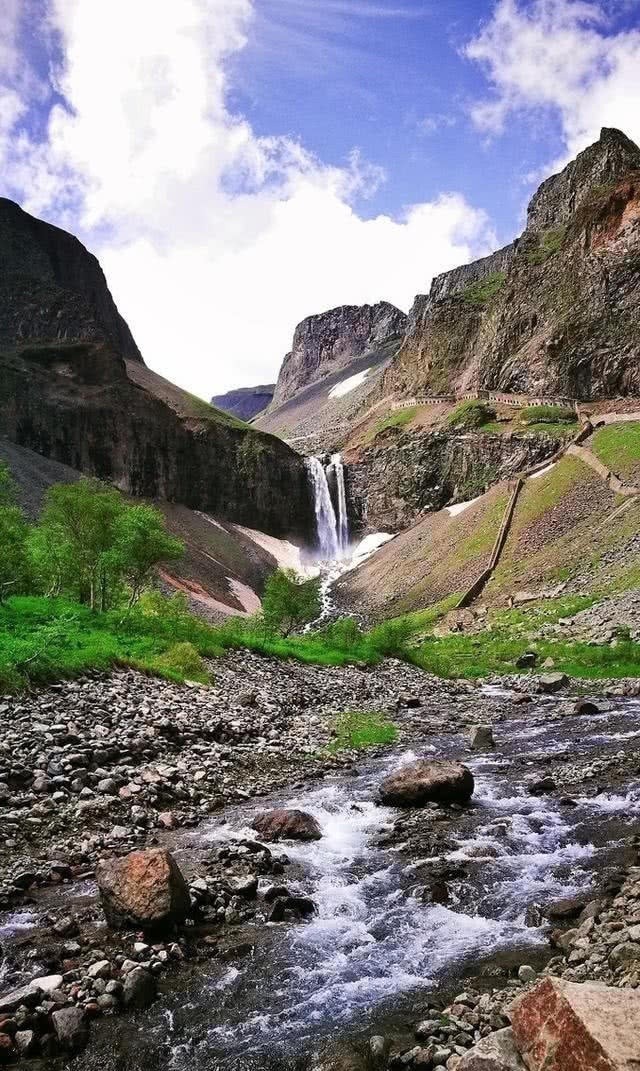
(460, 507)
(347, 385)
(544, 471)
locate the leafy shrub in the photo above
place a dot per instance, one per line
(472, 413)
(183, 660)
(390, 637)
(484, 290)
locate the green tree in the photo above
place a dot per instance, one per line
(141, 542)
(14, 561)
(289, 601)
(72, 544)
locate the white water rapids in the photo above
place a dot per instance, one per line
(376, 945)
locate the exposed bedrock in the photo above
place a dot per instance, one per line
(396, 480)
(555, 312)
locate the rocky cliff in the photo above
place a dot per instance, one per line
(396, 480)
(554, 312)
(53, 289)
(245, 402)
(75, 390)
(327, 343)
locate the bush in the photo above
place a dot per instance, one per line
(470, 414)
(546, 414)
(289, 602)
(391, 637)
(183, 660)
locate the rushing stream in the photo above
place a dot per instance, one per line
(375, 948)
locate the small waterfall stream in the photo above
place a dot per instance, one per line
(337, 468)
(326, 523)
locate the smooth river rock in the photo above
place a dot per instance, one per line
(427, 781)
(566, 1026)
(144, 889)
(283, 824)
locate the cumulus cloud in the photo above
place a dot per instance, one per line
(563, 55)
(215, 241)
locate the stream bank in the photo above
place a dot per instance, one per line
(408, 903)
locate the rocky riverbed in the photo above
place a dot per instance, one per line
(411, 909)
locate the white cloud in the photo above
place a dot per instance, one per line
(215, 241)
(564, 55)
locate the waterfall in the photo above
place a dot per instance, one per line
(326, 524)
(343, 519)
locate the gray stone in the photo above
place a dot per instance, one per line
(497, 1052)
(71, 1027)
(139, 990)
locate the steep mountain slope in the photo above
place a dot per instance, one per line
(74, 389)
(335, 362)
(53, 289)
(571, 532)
(554, 312)
(245, 402)
(224, 567)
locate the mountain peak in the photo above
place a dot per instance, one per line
(603, 163)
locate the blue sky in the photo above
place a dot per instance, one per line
(240, 164)
(395, 84)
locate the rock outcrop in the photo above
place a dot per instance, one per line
(427, 781)
(555, 312)
(328, 342)
(564, 1026)
(144, 889)
(245, 402)
(76, 391)
(52, 289)
(401, 476)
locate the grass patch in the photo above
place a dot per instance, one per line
(551, 242)
(483, 291)
(542, 494)
(355, 730)
(399, 418)
(618, 447)
(471, 414)
(552, 430)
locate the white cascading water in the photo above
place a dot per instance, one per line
(343, 520)
(326, 524)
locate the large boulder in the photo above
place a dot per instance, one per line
(566, 1026)
(283, 824)
(144, 889)
(426, 781)
(497, 1052)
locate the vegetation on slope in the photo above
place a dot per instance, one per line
(618, 447)
(471, 414)
(483, 291)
